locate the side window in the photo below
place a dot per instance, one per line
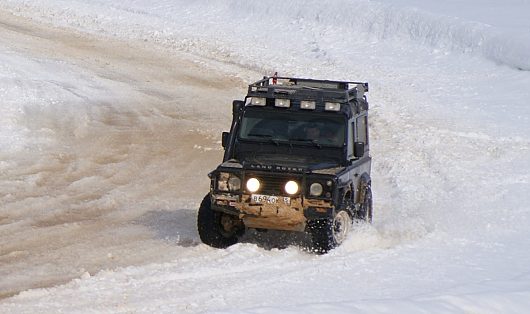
(362, 131)
(351, 137)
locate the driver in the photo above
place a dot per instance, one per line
(312, 132)
(329, 136)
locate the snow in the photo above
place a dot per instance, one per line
(92, 140)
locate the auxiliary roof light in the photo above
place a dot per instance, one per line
(280, 102)
(307, 104)
(332, 106)
(258, 101)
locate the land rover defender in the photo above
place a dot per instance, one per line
(297, 158)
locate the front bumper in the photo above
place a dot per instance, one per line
(278, 216)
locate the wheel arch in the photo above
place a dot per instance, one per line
(364, 184)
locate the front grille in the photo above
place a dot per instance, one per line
(273, 184)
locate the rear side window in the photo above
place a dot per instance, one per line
(362, 130)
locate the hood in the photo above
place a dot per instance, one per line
(287, 163)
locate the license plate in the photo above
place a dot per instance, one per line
(270, 199)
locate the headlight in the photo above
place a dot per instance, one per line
(228, 182)
(253, 185)
(316, 189)
(291, 187)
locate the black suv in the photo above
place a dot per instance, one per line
(296, 158)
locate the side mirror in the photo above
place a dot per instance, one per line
(225, 139)
(358, 149)
(237, 105)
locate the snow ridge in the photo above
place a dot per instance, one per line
(356, 20)
(384, 21)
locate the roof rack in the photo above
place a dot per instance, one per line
(307, 89)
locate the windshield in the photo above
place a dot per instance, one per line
(287, 126)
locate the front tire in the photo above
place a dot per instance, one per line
(216, 229)
(326, 234)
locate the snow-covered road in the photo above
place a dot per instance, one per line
(105, 108)
(91, 129)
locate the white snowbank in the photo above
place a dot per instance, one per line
(173, 21)
(341, 39)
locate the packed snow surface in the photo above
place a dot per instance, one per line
(111, 116)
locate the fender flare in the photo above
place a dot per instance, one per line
(364, 184)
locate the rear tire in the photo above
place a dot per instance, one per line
(326, 234)
(216, 229)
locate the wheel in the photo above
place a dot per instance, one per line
(217, 229)
(327, 234)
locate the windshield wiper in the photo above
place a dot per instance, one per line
(259, 135)
(268, 136)
(306, 140)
